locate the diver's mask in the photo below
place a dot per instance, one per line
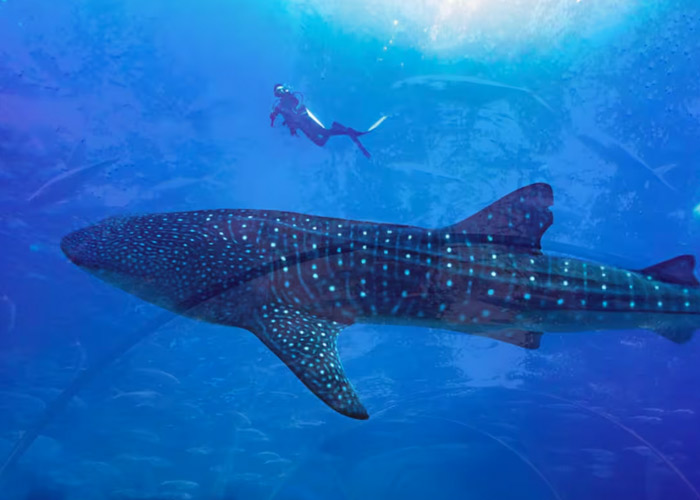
(280, 90)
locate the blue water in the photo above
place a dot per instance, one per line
(119, 107)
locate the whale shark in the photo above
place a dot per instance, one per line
(297, 280)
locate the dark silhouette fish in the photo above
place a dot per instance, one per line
(296, 281)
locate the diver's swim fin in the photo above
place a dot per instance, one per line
(313, 117)
(354, 134)
(359, 145)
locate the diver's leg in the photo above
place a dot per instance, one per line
(337, 128)
(318, 137)
(316, 133)
(340, 129)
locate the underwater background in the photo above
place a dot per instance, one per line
(121, 107)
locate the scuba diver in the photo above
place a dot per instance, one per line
(299, 117)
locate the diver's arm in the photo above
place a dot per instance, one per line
(273, 115)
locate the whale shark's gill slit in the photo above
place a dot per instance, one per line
(258, 272)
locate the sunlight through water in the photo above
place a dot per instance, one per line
(464, 27)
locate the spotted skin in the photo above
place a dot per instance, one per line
(296, 281)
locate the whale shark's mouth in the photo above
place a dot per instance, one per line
(92, 247)
(86, 247)
(76, 246)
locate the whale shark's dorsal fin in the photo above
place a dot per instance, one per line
(678, 270)
(522, 216)
(307, 345)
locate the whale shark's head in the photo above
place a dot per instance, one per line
(179, 259)
(132, 255)
(102, 247)
(166, 259)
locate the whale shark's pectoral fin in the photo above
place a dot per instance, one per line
(307, 345)
(519, 218)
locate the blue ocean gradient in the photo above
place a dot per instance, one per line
(122, 107)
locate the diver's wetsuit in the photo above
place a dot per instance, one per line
(296, 117)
